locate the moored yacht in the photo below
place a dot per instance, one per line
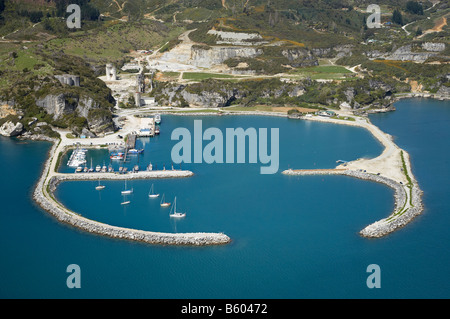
(152, 194)
(99, 187)
(163, 203)
(157, 118)
(176, 214)
(126, 191)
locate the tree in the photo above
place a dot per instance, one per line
(130, 101)
(397, 17)
(14, 56)
(294, 112)
(88, 11)
(35, 16)
(414, 7)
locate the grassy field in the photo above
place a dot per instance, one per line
(112, 42)
(198, 76)
(268, 108)
(26, 63)
(324, 72)
(25, 60)
(328, 69)
(169, 76)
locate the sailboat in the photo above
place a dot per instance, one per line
(175, 213)
(99, 187)
(152, 194)
(126, 191)
(163, 203)
(125, 202)
(91, 169)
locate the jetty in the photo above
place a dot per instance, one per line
(324, 171)
(130, 141)
(77, 158)
(147, 126)
(407, 206)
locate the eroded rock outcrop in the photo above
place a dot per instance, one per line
(211, 56)
(444, 91)
(59, 105)
(212, 93)
(300, 57)
(433, 46)
(9, 128)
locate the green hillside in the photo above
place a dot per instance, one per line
(307, 42)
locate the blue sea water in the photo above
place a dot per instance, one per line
(292, 237)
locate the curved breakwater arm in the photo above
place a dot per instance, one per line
(392, 168)
(408, 202)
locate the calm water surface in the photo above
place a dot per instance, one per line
(293, 237)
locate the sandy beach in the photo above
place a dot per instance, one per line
(387, 168)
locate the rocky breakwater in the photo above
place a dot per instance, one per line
(408, 203)
(44, 196)
(56, 178)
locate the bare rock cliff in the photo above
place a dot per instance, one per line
(11, 129)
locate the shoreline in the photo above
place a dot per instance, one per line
(387, 168)
(410, 95)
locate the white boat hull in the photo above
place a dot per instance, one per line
(178, 215)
